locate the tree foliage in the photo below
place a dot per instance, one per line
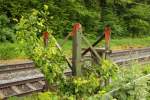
(126, 17)
(6, 32)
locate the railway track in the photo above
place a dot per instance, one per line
(16, 67)
(141, 59)
(20, 79)
(125, 57)
(130, 51)
(24, 78)
(22, 87)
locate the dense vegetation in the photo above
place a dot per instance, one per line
(126, 17)
(23, 21)
(96, 81)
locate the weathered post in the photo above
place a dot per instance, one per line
(76, 49)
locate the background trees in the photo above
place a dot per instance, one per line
(126, 17)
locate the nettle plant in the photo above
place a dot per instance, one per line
(49, 59)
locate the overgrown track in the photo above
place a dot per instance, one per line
(22, 87)
(141, 59)
(24, 78)
(133, 55)
(126, 57)
(130, 51)
(16, 67)
(20, 79)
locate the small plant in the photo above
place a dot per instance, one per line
(80, 86)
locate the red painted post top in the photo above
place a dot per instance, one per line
(76, 27)
(45, 35)
(107, 32)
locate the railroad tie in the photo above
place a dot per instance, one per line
(1, 95)
(31, 86)
(15, 88)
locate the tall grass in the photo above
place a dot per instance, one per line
(116, 43)
(125, 43)
(10, 51)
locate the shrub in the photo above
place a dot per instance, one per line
(6, 32)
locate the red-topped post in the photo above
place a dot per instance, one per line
(45, 38)
(76, 49)
(107, 32)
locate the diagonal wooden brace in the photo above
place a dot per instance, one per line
(90, 46)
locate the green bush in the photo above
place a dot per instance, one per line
(138, 20)
(6, 32)
(124, 16)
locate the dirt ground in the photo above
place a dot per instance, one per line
(14, 61)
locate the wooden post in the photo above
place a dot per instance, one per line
(76, 50)
(107, 32)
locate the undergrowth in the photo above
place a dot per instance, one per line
(93, 84)
(135, 91)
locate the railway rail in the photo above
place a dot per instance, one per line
(22, 87)
(130, 51)
(127, 57)
(20, 79)
(120, 53)
(24, 78)
(16, 67)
